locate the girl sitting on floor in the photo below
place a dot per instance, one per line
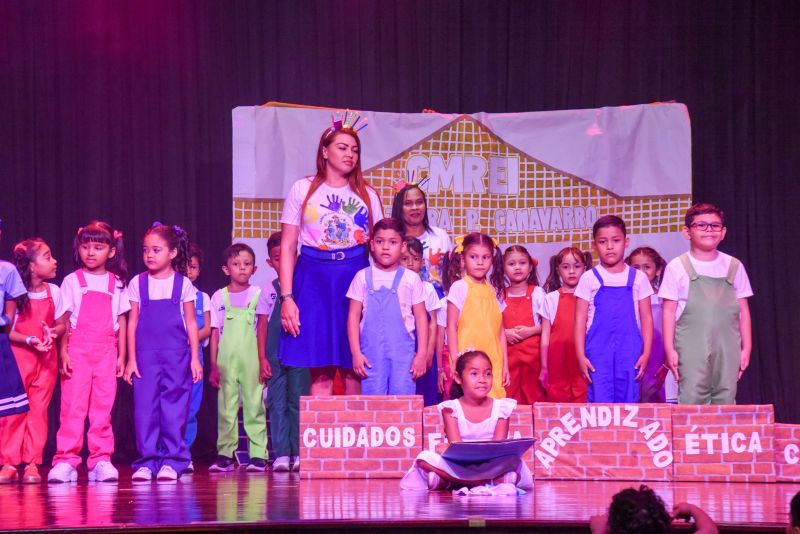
(471, 415)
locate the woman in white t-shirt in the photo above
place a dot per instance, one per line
(330, 216)
(411, 207)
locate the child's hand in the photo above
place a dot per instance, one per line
(49, 333)
(744, 362)
(360, 365)
(66, 365)
(506, 377)
(264, 371)
(524, 332)
(197, 371)
(41, 346)
(641, 366)
(442, 380)
(418, 366)
(512, 336)
(441, 447)
(544, 377)
(671, 359)
(213, 379)
(586, 367)
(130, 370)
(120, 367)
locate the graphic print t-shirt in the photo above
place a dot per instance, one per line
(334, 218)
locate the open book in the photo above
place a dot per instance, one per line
(470, 452)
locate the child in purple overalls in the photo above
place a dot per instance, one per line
(163, 348)
(387, 309)
(613, 303)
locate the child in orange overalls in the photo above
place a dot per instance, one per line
(521, 320)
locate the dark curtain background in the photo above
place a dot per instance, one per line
(120, 110)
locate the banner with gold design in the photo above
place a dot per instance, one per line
(539, 179)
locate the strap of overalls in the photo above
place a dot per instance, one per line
(82, 281)
(199, 304)
(687, 265)
(368, 278)
(397, 277)
(732, 269)
(47, 289)
(631, 277)
(597, 274)
(226, 300)
(177, 288)
(251, 309)
(112, 281)
(529, 291)
(144, 290)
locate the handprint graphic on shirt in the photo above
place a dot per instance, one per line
(351, 206)
(334, 202)
(361, 218)
(312, 213)
(435, 258)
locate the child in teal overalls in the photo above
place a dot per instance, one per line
(707, 331)
(238, 359)
(202, 310)
(613, 300)
(386, 354)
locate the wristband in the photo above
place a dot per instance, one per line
(29, 340)
(284, 298)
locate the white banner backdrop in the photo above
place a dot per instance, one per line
(539, 179)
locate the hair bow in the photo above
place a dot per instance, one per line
(80, 229)
(459, 241)
(156, 223)
(117, 235)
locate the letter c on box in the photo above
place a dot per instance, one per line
(792, 454)
(310, 437)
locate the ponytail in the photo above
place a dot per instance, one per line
(176, 238)
(24, 254)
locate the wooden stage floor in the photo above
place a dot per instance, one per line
(245, 502)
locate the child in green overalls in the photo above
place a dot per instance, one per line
(707, 336)
(239, 315)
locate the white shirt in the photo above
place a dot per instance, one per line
(588, 285)
(432, 301)
(435, 246)
(58, 302)
(335, 217)
(410, 291)
(537, 303)
(242, 299)
(206, 308)
(458, 295)
(72, 295)
(482, 430)
(675, 284)
(161, 289)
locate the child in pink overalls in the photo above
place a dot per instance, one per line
(95, 303)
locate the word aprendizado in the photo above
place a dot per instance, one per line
(364, 437)
(604, 417)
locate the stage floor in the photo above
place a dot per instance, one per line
(242, 501)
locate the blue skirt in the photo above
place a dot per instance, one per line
(13, 398)
(321, 279)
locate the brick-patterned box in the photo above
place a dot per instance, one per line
(359, 436)
(602, 441)
(725, 443)
(520, 425)
(787, 452)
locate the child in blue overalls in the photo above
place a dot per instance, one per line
(163, 359)
(387, 309)
(613, 303)
(202, 311)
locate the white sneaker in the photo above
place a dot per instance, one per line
(295, 463)
(142, 474)
(167, 473)
(281, 463)
(104, 472)
(62, 472)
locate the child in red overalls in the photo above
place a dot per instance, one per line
(521, 319)
(38, 322)
(560, 373)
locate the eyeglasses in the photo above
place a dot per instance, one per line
(703, 226)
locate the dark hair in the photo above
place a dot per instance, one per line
(194, 251)
(177, 239)
(655, 257)
(606, 221)
(25, 253)
(636, 511)
(703, 208)
(553, 281)
(414, 245)
(451, 269)
(102, 232)
(273, 241)
(231, 251)
(497, 278)
(794, 510)
(388, 223)
(461, 362)
(355, 178)
(400, 198)
(533, 277)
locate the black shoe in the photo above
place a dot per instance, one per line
(257, 465)
(222, 465)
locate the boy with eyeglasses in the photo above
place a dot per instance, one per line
(707, 334)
